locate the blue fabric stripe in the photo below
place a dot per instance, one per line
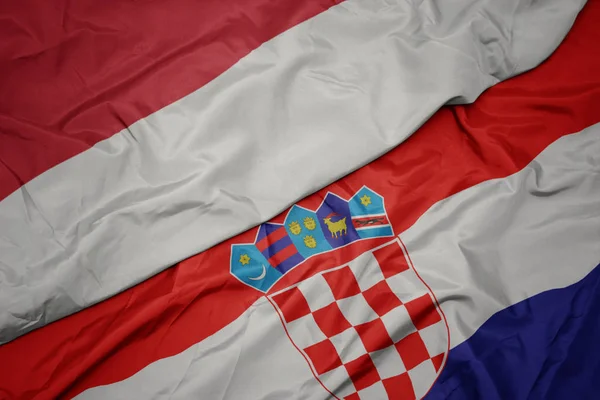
(384, 230)
(545, 347)
(290, 263)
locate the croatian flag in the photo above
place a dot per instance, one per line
(491, 294)
(300, 200)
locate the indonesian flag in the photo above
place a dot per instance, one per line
(179, 217)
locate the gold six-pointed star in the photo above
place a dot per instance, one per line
(244, 259)
(365, 200)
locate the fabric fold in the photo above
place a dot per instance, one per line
(304, 109)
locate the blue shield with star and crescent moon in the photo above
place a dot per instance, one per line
(251, 267)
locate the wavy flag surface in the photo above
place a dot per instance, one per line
(325, 199)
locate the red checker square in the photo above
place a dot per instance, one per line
(391, 260)
(324, 356)
(422, 311)
(399, 387)
(353, 396)
(437, 361)
(362, 371)
(342, 283)
(381, 298)
(412, 350)
(374, 335)
(331, 320)
(292, 304)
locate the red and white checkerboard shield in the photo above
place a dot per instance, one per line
(370, 329)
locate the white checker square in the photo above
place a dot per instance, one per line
(317, 292)
(388, 362)
(398, 323)
(374, 392)
(422, 377)
(357, 310)
(305, 331)
(366, 270)
(407, 286)
(435, 338)
(348, 345)
(338, 381)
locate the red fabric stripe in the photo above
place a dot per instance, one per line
(268, 240)
(283, 255)
(74, 73)
(364, 222)
(460, 147)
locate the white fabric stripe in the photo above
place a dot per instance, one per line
(371, 227)
(500, 242)
(480, 251)
(369, 215)
(251, 358)
(304, 109)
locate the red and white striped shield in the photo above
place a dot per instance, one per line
(370, 329)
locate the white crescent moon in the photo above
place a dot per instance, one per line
(261, 276)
